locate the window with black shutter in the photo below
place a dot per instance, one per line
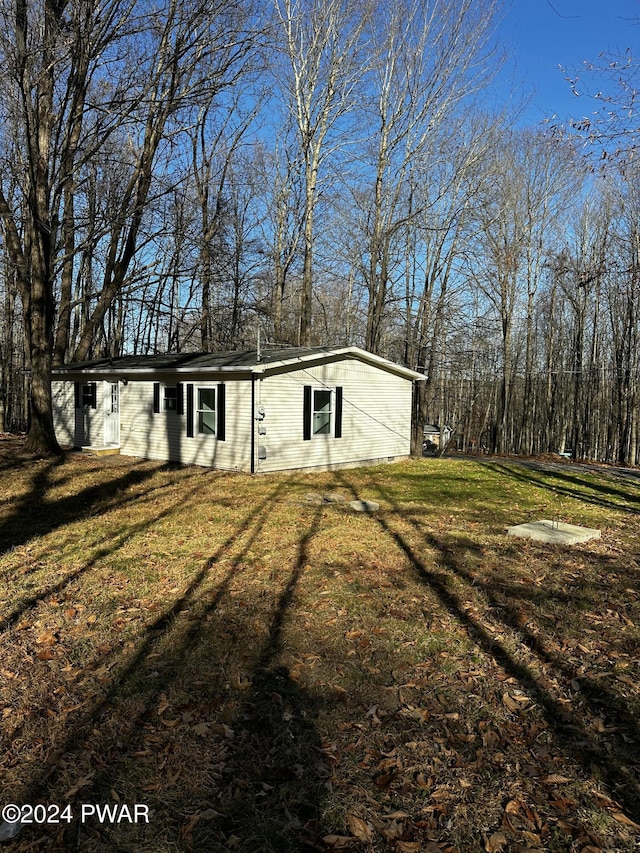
(322, 412)
(206, 410)
(89, 395)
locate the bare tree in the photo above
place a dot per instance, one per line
(429, 57)
(77, 74)
(282, 226)
(440, 231)
(609, 86)
(320, 63)
(215, 142)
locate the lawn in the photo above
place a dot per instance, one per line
(258, 669)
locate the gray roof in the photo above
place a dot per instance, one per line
(196, 360)
(241, 361)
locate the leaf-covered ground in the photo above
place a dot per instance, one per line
(269, 671)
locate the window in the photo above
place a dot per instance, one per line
(206, 411)
(321, 412)
(170, 399)
(86, 395)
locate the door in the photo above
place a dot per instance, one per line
(112, 413)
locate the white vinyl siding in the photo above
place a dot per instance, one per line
(63, 394)
(163, 435)
(376, 417)
(83, 425)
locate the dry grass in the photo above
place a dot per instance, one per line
(267, 673)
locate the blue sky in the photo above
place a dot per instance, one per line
(543, 34)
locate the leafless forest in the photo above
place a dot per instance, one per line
(186, 175)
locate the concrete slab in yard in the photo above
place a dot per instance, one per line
(554, 532)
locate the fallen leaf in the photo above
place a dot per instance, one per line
(81, 783)
(359, 829)
(47, 639)
(338, 841)
(555, 779)
(510, 703)
(512, 807)
(622, 818)
(45, 654)
(497, 841)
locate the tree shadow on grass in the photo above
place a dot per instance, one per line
(117, 539)
(570, 485)
(35, 515)
(259, 769)
(454, 587)
(275, 763)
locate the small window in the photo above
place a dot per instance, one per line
(321, 412)
(89, 395)
(206, 411)
(170, 399)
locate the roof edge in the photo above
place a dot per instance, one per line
(255, 367)
(355, 352)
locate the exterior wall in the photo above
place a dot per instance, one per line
(376, 417)
(82, 427)
(163, 435)
(63, 411)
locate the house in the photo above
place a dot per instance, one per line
(275, 410)
(436, 437)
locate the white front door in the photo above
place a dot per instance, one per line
(112, 413)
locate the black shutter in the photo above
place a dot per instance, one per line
(156, 397)
(94, 396)
(190, 410)
(76, 395)
(338, 419)
(220, 413)
(306, 416)
(180, 398)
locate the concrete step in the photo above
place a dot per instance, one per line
(101, 451)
